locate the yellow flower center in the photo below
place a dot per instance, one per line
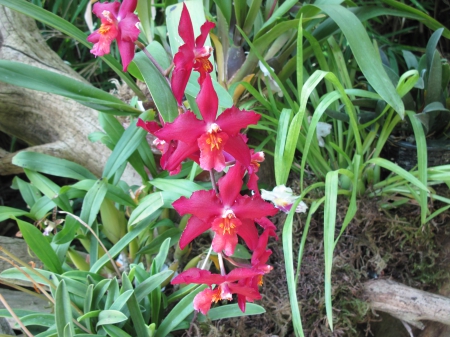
(227, 225)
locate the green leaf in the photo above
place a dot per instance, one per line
(178, 313)
(150, 284)
(121, 300)
(173, 233)
(30, 194)
(51, 165)
(63, 310)
(39, 319)
(288, 250)
(125, 147)
(93, 201)
(10, 212)
(40, 246)
(125, 241)
(49, 189)
(232, 310)
(68, 29)
(180, 186)
(331, 192)
(111, 317)
(113, 330)
(34, 78)
(157, 84)
(147, 207)
(364, 53)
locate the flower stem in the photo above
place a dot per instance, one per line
(222, 266)
(207, 257)
(213, 181)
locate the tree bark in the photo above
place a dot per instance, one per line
(407, 304)
(48, 123)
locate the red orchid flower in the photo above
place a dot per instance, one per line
(193, 54)
(118, 23)
(172, 152)
(228, 214)
(226, 286)
(212, 135)
(259, 259)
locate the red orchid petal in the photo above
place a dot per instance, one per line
(127, 7)
(204, 31)
(261, 254)
(207, 101)
(126, 50)
(194, 228)
(198, 276)
(232, 120)
(128, 30)
(252, 184)
(186, 128)
(248, 233)
(241, 302)
(202, 204)
(184, 62)
(94, 37)
(236, 147)
(211, 151)
(150, 127)
(268, 226)
(112, 7)
(242, 273)
(230, 185)
(185, 28)
(250, 293)
(226, 243)
(171, 160)
(203, 301)
(252, 208)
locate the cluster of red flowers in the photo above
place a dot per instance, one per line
(215, 143)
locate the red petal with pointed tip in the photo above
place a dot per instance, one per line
(185, 29)
(230, 185)
(204, 31)
(126, 50)
(184, 62)
(253, 207)
(232, 120)
(236, 147)
(198, 276)
(194, 228)
(128, 6)
(248, 233)
(202, 204)
(186, 128)
(207, 101)
(150, 127)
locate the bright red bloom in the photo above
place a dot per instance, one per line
(193, 54)
(118, 23)
(226, 286)
(212, 135)
(259, 259)
(171, 151)
(228, 214)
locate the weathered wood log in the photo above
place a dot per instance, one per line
(407, 304)
(49, 123)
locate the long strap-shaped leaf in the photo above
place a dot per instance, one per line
(69, 29)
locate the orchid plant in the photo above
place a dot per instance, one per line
(215, 142)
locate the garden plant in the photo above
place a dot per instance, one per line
(242, 121)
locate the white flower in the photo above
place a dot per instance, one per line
(273, 85)
(283, 198)
(322, 130)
